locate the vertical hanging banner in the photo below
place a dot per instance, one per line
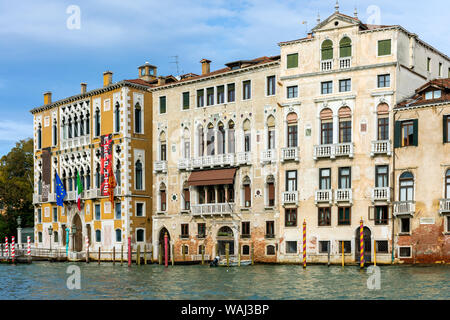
(105, 162)
(46, 173)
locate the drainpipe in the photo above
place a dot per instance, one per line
(393, 192)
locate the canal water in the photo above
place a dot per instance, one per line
(46, 280)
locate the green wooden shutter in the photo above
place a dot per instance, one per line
(292, 60)
(445, 129)
(384, 47)
(398, 134)
(162, 104)
(185, 100)
(327, 50)
(345, 48)
(415, 132)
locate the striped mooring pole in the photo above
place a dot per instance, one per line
(6, 247)
(304, 243)
(13, 248)
(361, 244)
(87, 249)
(29, 248)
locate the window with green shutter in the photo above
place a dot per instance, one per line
(327, 50)
(292, 60)
(185, 100)
(384, 47)
(345, 47)
(406, 133)
(162, 104)
(446, 127)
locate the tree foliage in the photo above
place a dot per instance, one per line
(16, 187)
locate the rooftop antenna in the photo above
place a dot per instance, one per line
(176, 63)
(336, 7)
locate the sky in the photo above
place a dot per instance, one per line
(54, 45)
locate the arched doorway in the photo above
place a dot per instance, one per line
(161, 242)
(367, 238)
(78, 237)
(224, 236)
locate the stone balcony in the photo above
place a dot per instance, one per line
(289, 197)
(212, 209)
(381, 194)
(244, 158)
(268, 156)
(342, 63)
(323, 196)
(404, 208)
(444, 206)
(345, 63)
(333, 150)
(326, 65)
(290, 154)
(37, 198)
(160, 166)
(75, 142)
(380, 147)
(184, 164)
(343, 195)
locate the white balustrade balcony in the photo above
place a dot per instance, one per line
(268, 156)
(90, 194)
(75, 142)
(380, 147)
(51, 197)
(71, 196)
(333, 150)
(197, 162)
(212, 209)
(223, 159)
(344, 149)
(326, 65)
(37, 198)
(244, 158)
(343, 195)
(290, 197)
(404, 208)
(118, 191)
(183, 164)
(324, 196)
(160, 166)
(323, 151)
(345, 63)
(291, 153)
(381, 194)
(444, 206)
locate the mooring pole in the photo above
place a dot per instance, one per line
(184, 253)
(129, 251)
(304, 243)
(361, 244)
(227, 252)
(87, 249)
(166, 261)
(138, 257)
(99, 254)
(145, 253)
(239, 256)
(374, 252)
(114, 255)
(252, 253)
(160, 254)
(203, 254)
(29, 248)
(121, 254)
(13, 249)
(342, 253)
(172, 254)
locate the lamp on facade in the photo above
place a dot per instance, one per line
(74, 230)
(50, 232)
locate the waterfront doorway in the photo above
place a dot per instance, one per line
(224, 236)
(367, 238)
(161, 242)
(78, 237)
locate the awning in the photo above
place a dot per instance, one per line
(212, 177)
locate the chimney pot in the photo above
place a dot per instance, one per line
(47, 97)
(83, 87)
(205, 66)
(161, 81)
(107, 78)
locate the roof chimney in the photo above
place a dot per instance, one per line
(47, 97)
(107, 78)
(161, 81)
(205, 66)
(83, 87)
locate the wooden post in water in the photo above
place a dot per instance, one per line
(99, 254)
(227, 253)
(114, 255)
(253, 254)
(87, 249)
(160, 254)
(121, 254)
(129, 251)
(184, 253)
(342, 253)
(138, 256)
(145, 253)
(374, 252)
(216, 253)
(304, 243)
(166, 249)
(361, 244)
(172, 254)
(329, 248)
(239, 255)
(203, 254)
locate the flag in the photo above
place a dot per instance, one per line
(111, 185)
(79, 191)
(60, 191)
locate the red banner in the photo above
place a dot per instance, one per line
(106, 162)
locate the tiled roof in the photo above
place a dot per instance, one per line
(418, 99)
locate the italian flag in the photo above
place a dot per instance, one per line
(79, 191)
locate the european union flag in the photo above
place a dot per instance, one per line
(60, 191)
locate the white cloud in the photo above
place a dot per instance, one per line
(14, 131)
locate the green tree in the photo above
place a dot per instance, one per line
(16, 187)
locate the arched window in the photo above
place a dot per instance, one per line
(247, 192)
(55, 133)
(221, 139)
(327, 50)
(383, 122)
(81, 178)
(270, 183)
(98, 236)
(69, 128)
(81, 125)
(186, 144)
(40, 184)
(447, 184)
(55, 237)
(270, 132)
(201, 249)
(118, 235)
(97, 177)
(138, 175)
(163, 197)
(117, 173)
(97, 122)
(87, 125)
(231, 138)
(345, 47)
(88, 178)
(210, 150)
(406, 182)
(162, 147)
(70, 180)
(247, 136)
(186, 196)
(117, 117)
(75, 126)
(140, 235)
(39, 137)
(270, 250)
(292, 130)
(137, 118)
(326, 126)
(201, 141)
(345, 125)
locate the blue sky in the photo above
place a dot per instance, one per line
(39, 53)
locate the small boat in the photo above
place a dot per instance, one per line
(234, 263)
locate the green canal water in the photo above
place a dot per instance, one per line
(46, 280)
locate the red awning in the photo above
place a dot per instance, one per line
(212, 177)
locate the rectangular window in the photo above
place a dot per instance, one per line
(163, 152)
(405, 225)
(446, 127)
(247, 142)
(210, 96)
(407, 133)
(384, 47)
(247, 196)
(384, 81)
(440, 69)
(345, 85)
(55, 214)
(271, 137)
(327, 87)
(163, 200)
(381, 176)
(291, 246)
(382, 246)
(428, 64)
(200, 98)
(448, 223)
(246, 90)
(118, 211)
(270, 229)
(347, 246)
(344, 216)
(291, 180)
(325, 179)
(220, 94)
(290, 217)
(345, 131)
(184, 230)
(292, 136)
(292, 60)
(383, 128)
(139, 209)
(271, 85)
(292, 92)
(245, 229)
(187, 199)
(324, 216)
(327, 132)
(345, 181)
(162, 105)
(201, 230)
(185, 100)
(404, 252)
(271, 190)
(97, 212)
(231, 92)
(324, 246)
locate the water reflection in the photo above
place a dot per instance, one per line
(43, 280)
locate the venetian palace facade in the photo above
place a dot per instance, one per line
(241, 157)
